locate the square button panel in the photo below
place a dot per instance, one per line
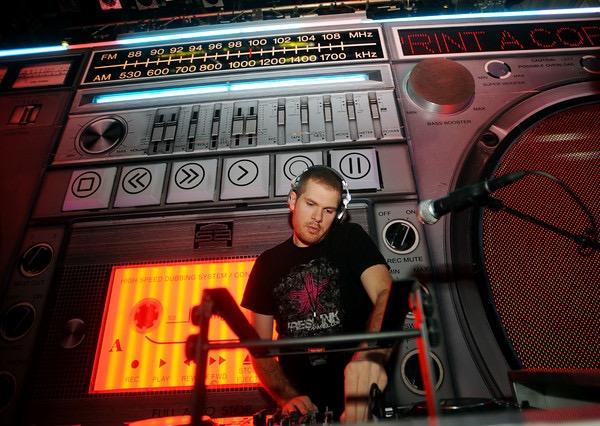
(358, 167)
(288, 166)
(192, 181)
(140, 185)
(245, 177)
(89, 189)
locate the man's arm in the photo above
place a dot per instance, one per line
(271, 375)
(367, 367)
(377, 281)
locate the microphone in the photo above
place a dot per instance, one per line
(430, 211)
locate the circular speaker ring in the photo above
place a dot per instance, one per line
(411, 374)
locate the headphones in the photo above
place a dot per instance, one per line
(346, 197)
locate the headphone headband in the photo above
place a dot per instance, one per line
(346, 197)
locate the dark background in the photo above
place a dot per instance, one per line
(30, 23)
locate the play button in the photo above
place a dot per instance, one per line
(242, 172)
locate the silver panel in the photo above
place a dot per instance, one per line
(439, 144)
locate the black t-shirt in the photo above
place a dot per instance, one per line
(316, 291)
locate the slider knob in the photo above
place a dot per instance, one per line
(441, 85)
(102, 135)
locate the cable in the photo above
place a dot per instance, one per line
(574, 196)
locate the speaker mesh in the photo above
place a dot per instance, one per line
(545, 288)
(63, 373)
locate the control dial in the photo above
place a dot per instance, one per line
(102, 135)
(591, 63)
(36, 259)
(400, 236)
(497, 69)
(441, 85)
(17, 321)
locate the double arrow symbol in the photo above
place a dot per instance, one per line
(137, 178)
(212, 360)
(190, 176)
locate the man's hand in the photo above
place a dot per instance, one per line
(300, 403)
(359, 376)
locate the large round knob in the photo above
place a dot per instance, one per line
(441, 85)
(102, 134)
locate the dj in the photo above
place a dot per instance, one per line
(328, 278)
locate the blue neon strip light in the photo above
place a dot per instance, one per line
(513, 14)
(31, 50)
(160, 93)
(300, 81)
(229, 87)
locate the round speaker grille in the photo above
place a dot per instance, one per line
(545, 287)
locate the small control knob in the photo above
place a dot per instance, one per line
(441, 85)
(36, 259)
(497, 69)
(591, 63)
(73, 333)
(17, 321)
(400, 236)
(102, 135)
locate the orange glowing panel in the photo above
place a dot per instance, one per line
(147, 321)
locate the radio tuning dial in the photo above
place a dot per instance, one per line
(102, 135)
(441, 85)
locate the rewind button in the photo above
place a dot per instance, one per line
(140, 185)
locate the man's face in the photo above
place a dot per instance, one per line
(313, 212)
